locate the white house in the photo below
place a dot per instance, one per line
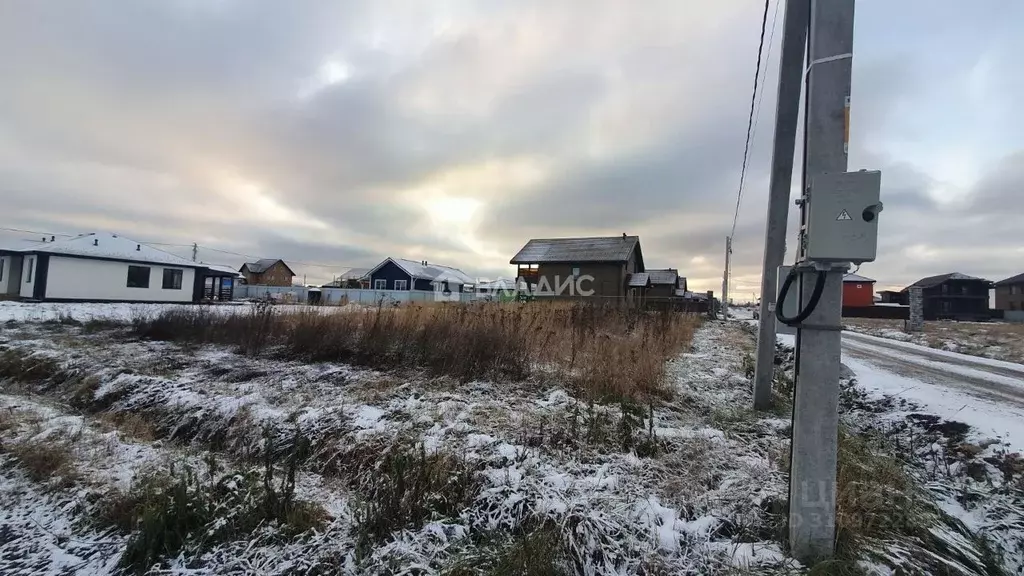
(100, 268)
(10, 266)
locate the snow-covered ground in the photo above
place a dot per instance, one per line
(689, 483)
(17, 311)
(667, 485)
(997, 340)
(986, 394)
(959, 421)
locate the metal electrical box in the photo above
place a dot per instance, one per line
(842, 217)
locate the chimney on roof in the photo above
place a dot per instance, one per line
(138, 247)
(44, 238)
(53, 238)
(623, 235)
(96, 242)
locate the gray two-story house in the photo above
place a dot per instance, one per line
(954, 296)
(1010, 293)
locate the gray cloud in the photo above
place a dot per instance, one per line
(457, 131)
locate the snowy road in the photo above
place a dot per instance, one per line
(987, 394)
(978, 376)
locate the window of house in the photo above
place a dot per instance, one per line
(401, 284)
(172, 279)
(945, 288)
(380, 284)
(31, 265)
(963, 290)
(138, 277)
(945, 306)
(859, 286)
(1014, 290)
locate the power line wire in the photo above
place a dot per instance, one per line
(757, 118)
(314, 264)
(34, 232)
(750, 119)
(764, 78)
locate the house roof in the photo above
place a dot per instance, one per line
(600, 249)
(428, 271)
(500, 284)
(354, 274)
(223, 270)
(105, 246)
(856, 278)
(665, 276)
(1018, 279)
(14, 246)
(931, 281)
(263, 264)
(639, 280)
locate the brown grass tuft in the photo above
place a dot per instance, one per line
(44, 460)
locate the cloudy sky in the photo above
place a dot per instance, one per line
(341, 132)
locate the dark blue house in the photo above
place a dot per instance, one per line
(401, 274)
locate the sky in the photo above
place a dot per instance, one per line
(334, 134)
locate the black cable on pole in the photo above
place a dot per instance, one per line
(812, 302)
(750, 119)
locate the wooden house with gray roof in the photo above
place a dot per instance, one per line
(604, 265)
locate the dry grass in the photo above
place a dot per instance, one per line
(875, 495)
(130, 425)
(603, 353)
(44, 460)
(1003, 341)
(880, 506)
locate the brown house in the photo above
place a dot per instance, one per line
(1010, 293)
(267, 272)
(664, 283)
(598, 267)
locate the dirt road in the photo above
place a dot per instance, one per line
(979, 377)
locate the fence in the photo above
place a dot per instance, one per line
(1015, 316)
(339, 296)
(887, 312)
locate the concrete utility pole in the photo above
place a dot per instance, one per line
(812, 488)
(787, 111)
(725, 279)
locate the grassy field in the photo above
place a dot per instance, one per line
(451, 439)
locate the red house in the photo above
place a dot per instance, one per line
(858, 291)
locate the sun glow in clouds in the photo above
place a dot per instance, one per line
(331, 72)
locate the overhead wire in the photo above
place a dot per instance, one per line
(750, 118)
(755, 114)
